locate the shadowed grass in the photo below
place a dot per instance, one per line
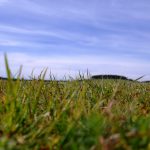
(75, 115)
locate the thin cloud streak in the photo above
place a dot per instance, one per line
(115, 41)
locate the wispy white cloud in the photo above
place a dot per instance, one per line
(8, 43)
(115, 41)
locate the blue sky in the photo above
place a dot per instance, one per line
(68, 36)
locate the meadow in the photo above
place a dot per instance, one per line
(74, 115)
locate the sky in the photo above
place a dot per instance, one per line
(68, 36)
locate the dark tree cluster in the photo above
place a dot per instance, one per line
(109, 77)
(1, 78)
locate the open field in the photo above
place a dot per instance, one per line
(74, 115)
(88, 114)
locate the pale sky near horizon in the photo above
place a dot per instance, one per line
(68, 36)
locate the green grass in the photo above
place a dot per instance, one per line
(74, 115)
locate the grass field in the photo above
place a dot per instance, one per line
(74, 115)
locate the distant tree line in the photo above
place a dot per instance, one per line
(92, 77)
(1, 78)
(109, 77)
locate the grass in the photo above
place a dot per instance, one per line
(74, 115)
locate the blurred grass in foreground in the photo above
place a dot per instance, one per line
(74, 115)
